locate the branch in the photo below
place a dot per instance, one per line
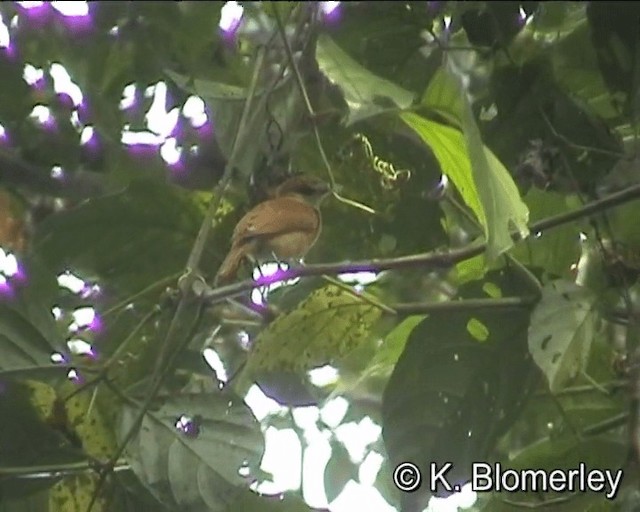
(429, 260)
(421, 308)
(173, 336)
(56, 470)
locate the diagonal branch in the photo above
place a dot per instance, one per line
(173, 337)
(429, 260)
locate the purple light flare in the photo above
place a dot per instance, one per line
(230, 19)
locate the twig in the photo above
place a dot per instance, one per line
(164, 281)
(610, 387)
(54, 470)
(549, 502)
(573, 145)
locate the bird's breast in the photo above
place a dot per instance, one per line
(294, 244)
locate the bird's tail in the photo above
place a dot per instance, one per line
(230, 265)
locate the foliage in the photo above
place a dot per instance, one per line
(483, 158)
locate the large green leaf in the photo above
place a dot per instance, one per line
(498, 193)
(448, 146)
(22, 345)
(442, 96)
(561, 332)
(365, 93)
(383, 361)
(205, 463)
(226, 103)
(482, 179)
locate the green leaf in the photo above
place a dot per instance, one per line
(484, 183)
(204, 466)
(383, 361)
(448, 146)
(366, 94)
(498, 194)
(24, 349)
(226, 103)
(28, 332)
(442, 96)
(561, 332)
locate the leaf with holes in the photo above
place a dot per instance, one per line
(196, 451)
(327, 326)
(561, 332)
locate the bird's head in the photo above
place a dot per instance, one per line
(309, 188)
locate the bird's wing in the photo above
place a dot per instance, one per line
(274, 216)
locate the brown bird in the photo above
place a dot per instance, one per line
(285, 226)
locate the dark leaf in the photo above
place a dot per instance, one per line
(451, 395)
(131, 238)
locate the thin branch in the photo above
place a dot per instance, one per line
(165, 281)
(419, 308)
(573, 145)
(430, 260)
(56, 470)
(610, 387)
(166, 353)
(549, 502)
(606, 425)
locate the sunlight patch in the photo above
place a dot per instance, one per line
(193, 110)
(5, 38)
(230, 17)
(62, 83)
(74, 8)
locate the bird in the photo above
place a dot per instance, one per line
(285, 226)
